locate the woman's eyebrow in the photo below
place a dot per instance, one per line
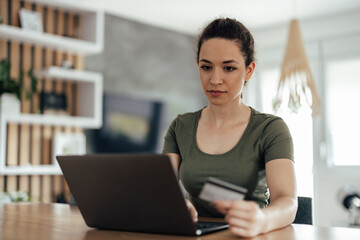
(205, 60)
(229, 61)
(224, 62)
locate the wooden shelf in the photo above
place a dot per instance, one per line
(44, 39)
(69, 74)
(92, 30)
(53, 169)
(53, 120)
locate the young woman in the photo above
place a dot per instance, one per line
(233, 142)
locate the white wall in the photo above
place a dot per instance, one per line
(326, 38)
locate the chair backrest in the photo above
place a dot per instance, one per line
(304, 212)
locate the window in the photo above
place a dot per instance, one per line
(342, 111)
(300, 126)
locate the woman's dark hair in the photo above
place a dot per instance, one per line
(229, 29)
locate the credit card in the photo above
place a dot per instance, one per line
(216, 189)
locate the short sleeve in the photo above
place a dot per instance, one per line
(170, 141)
(277, 141)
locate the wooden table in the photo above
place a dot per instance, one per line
(60, 221)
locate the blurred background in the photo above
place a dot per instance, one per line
(150, 76)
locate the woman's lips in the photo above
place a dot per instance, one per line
(216, 93)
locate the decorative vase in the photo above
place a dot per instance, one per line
(9, 104)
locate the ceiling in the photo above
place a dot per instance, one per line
(189, 16)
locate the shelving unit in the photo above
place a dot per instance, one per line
(89, 94)
(89, 84)
(92, 31)
(90, 101)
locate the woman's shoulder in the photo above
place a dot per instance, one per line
(188, 116)
(262, 116)
(267, 120)
(185, 120)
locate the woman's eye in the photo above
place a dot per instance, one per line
(229, 69)
(205, 68)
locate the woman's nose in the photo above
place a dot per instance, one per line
(216, 77)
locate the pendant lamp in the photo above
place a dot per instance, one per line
(296, 86)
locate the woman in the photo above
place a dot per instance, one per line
(233, 142)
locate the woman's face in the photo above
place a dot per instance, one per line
(222, 70)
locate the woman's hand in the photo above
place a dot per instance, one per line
(245, 218)
(192, 210)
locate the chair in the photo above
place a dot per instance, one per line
(72, 201)
(304, 211)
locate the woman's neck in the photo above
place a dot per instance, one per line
(226, 115)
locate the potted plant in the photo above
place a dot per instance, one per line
(10, 88)
(17, 196)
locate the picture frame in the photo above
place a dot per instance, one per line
(53, 103)
(31, 20)
(68, 144)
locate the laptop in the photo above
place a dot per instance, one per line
(131, 192)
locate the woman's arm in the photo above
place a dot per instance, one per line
(175, 162)
(247, 219)
(280, 175)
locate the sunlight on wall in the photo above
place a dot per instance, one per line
(300, 126)
(342, 98)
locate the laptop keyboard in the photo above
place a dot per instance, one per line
(204, 225)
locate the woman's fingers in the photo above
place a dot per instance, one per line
(192, 210)
(242, 226)
(222, 206)
(194, 214)
(242, 232)
(225, 205)
(237, 222)
(245, 218)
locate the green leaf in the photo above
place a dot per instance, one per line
(10, 85)
(33, 81)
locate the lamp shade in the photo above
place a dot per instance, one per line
(296, 86)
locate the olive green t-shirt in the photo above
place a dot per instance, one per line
(265, 138)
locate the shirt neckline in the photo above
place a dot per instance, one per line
(225, 153)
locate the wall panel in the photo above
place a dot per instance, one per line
(13, 128)
(32, 143)
(3, 55)
(36, 133)
(4, 11)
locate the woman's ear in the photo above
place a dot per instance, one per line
(249, 71)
